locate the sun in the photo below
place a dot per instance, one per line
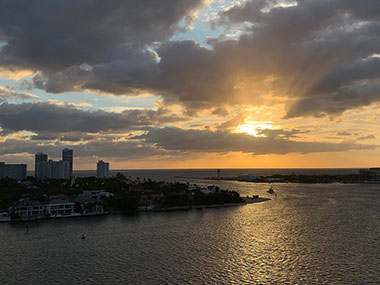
(253, 128)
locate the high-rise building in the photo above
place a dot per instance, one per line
(58, 169)
(15, 171)
(67, 155)
(2, 170)
(41, 165)
(102, 169)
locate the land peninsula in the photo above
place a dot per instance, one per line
(59, 198)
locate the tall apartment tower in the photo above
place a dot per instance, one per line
(59, 169)
(2, 164)
(67, 155)
(40, 165)
(102, 169)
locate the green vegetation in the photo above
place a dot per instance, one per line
(127, 194)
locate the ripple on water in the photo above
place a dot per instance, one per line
(306, 234)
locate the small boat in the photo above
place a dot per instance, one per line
(83, 237)
(271, 191)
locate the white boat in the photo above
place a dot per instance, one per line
(271, 191)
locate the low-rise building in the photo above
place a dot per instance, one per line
(60, 207)
(372, 174)
(27, 209)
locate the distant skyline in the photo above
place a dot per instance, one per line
(191, 84)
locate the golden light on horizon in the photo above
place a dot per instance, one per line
(253, 127)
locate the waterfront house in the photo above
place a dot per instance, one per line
(60, 207)
(27, 209)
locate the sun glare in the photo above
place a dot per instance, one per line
(253, 128)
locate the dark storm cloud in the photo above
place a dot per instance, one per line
(175, 139)
(51, 119)
(89, 44)
(316, 52)
(50, 35)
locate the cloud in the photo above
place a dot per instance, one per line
(369, 137)
(97, 148)
(321, 52)
(176, 139)
(233, 123)
(167, 143)
(343, 133)
(10, 93)
(102, 45)
(51, 120)
(318, 55)
(293, 133)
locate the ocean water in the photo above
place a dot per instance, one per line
(179, 174)
(307, 234)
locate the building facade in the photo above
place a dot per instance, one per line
(102, 169)
(2, 164)
(31, 210)
(68, 155)
(14, 171)
(62, 169)
(41, 170)
(372, 174)
(58, 169)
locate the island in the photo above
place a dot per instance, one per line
(363, 177)
(34, 199)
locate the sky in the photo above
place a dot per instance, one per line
(147, 84)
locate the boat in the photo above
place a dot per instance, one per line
(271, 191)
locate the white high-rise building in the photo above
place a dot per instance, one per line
(2, 165)
(68, 155)
(59, 169)
(102, 169)
(62, 169)
(41, 167)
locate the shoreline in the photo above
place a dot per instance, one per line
(194, 207)
(313, 179)
(157, 210)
